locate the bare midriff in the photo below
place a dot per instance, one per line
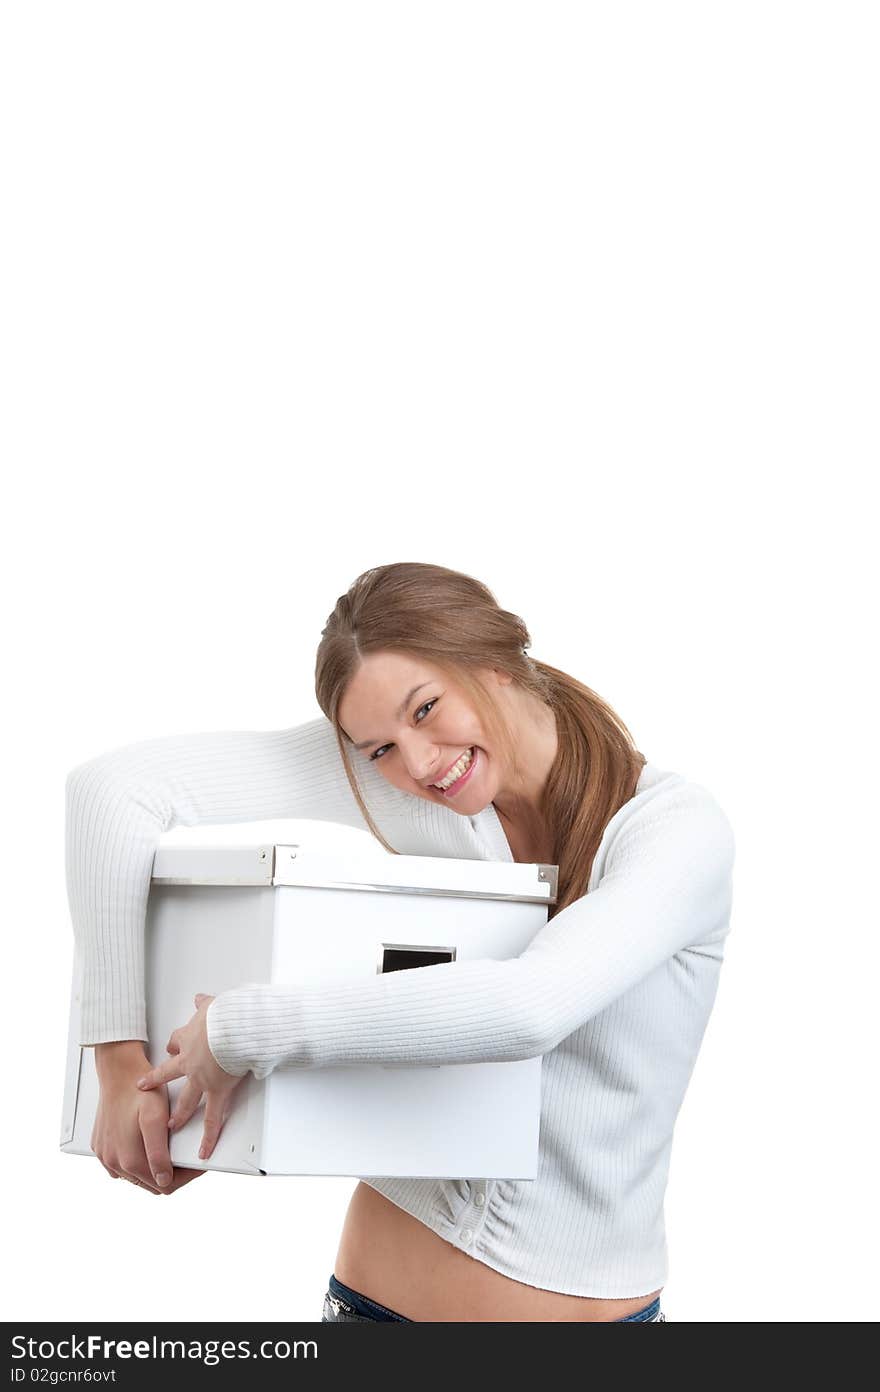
(390, 1257)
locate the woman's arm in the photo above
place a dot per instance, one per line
(666, 888)
(119, 804)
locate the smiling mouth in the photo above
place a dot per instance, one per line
(462, 766)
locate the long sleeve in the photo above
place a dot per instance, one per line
(119, 804)
(666, 889)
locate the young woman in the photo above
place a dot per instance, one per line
(442, 737)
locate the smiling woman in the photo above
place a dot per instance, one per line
(442, 737)
(416, 632)
(440, 749)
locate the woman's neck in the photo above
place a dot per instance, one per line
(533, 724)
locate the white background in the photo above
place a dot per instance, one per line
(580, 299)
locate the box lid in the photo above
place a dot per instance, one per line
(295, 864)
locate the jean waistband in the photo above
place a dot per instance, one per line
(362, 1304)
(371, 1309)
(649, 1313)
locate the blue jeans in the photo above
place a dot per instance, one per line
(342, 1305)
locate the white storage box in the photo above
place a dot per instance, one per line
(218, 917)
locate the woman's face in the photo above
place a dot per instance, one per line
(415, 724)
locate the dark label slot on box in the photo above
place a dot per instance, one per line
(401, 956)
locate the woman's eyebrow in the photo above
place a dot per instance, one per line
(403, 705)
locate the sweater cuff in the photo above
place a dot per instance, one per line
(250, 1028)
(228, 1043)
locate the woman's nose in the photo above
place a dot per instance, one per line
(420, 763)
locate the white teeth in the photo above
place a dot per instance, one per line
(458, 768)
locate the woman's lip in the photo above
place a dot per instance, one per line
(451, 766)
(459, 782)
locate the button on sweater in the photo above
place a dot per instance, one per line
(615, 992)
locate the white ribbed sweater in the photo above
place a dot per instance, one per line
(615, 991)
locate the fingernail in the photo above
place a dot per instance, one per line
(171, 1122)
(203, 1154)
(141, 1082)
(163, 1178)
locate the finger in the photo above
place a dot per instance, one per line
(214, 1119)
(173, 1046)
(143, 1179)
(157, 1157)
(188, 1099)
(114, 1174)
(162, 1073)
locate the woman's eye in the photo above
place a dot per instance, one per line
(377, 752)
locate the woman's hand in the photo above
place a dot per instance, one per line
(194, 1061)
(130, 1133)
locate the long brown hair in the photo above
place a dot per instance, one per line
(452, 621)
